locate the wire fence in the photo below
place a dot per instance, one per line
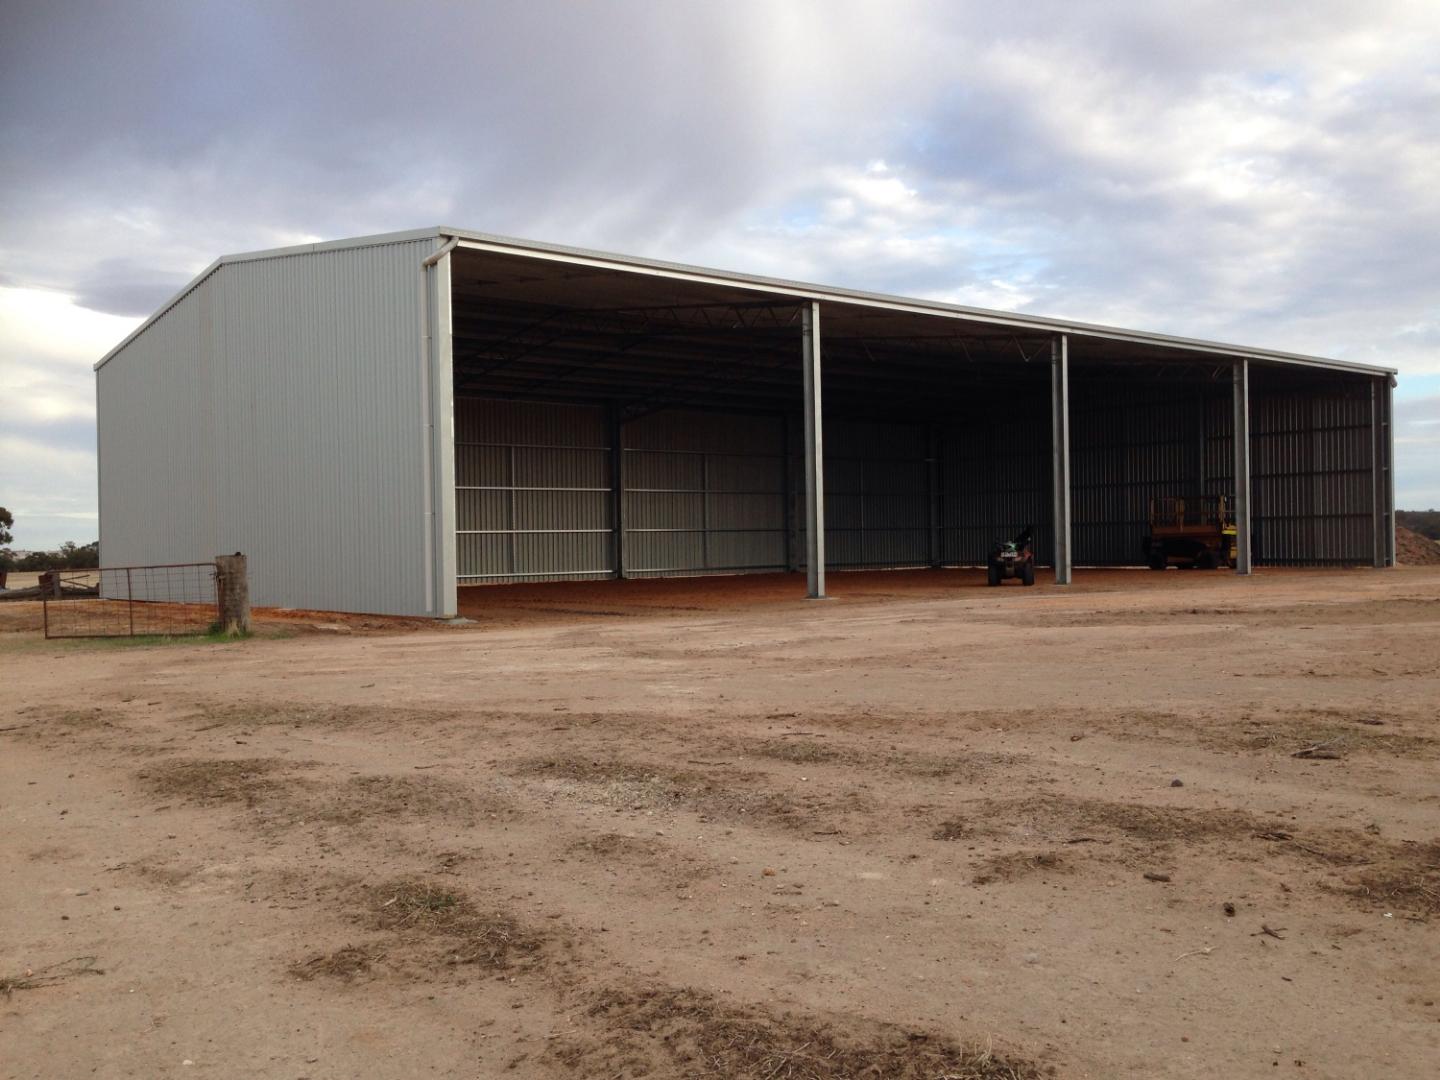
(135, 601)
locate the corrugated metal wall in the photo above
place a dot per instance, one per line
(995, 480)
(877, 494)
(156, 411)
(704, 492)
(532, 491)
(1311, 478)
(1126, 449)
(707, 492)
(279, 409)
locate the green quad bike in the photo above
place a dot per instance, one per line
(1012, 559)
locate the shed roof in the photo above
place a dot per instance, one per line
(759, 284)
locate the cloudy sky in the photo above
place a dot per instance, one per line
(1267, 173)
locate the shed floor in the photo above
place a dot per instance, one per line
(733, 591)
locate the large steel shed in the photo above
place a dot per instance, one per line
(381, 421)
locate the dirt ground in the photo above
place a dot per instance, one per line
(1152, 825)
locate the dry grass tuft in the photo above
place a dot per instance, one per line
(1059, 817)
(612, 846)
(908, 763)
(50, 975)
(245, 780)
(346, 964)
(720, 793)
(421, 909)
(409, 904)
(663, 1031)
(82, 719)
(952, 766)
(361, 798)
(1405, 878)
(1018, 864)
(799, 751)
(313, 716)
(952, 829)
(1342, 730)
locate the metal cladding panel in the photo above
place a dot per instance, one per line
(280, 408)
(323, 406)
(877, 494)
(995, 480)
(1312, 476)
(532, 491)
(704, 493)
(155, 414)
(1218, 474)
(1127, 449)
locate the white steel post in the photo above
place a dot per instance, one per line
(1060, 454)
(1241, 440)
(441, 387)
(814, 455)
(1377, 479)
(1387, 445)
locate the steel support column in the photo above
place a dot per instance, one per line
(441, 582)
(814, 454)
(1377, 474)
(1241, 440)
(617, 492)
(1387, 457)
(1060, 454)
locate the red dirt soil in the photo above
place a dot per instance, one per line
(1178, 825)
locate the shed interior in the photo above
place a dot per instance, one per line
(613, 422)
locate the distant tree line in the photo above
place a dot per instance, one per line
(68, 556)
(1424, 522)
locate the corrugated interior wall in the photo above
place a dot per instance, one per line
(1127, 448)
(532, 491)
(278, 409)
(1311, 477)
(708, 492)
(877, 494)
(995, 480)
(704, 492)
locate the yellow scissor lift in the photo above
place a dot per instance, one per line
(1197, 532)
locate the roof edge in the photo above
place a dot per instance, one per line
(805, 290)
(374, 240)
(811, 291)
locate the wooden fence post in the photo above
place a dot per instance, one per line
(232, 594)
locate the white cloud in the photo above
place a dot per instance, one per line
(47, 419)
